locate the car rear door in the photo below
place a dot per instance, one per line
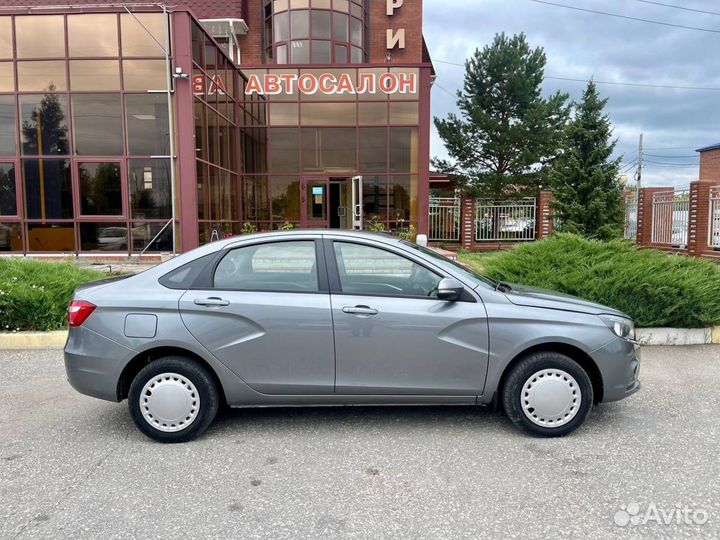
(264, 311)
(392, 335)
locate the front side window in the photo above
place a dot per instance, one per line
(366, 270)
(277, 267)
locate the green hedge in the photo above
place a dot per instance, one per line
(34, 295)
(655, 288)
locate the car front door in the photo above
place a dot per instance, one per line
(393, 335)
(265, 314)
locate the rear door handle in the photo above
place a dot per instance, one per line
(360, 310)
(212, 301)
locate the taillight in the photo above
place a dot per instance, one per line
(79, 311)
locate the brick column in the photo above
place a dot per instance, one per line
(699, 219)
(544, 221)
(467, 222)
(644, 215)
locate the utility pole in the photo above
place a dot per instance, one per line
(638, 173)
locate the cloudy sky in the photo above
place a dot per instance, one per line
(582, 45)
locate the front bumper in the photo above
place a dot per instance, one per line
(619, 364)
(94, 363)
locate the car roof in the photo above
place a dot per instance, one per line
(381, 236)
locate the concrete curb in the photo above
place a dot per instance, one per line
(646, 336)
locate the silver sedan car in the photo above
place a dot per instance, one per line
(340, 318)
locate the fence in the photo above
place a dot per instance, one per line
(444, 222)
(671, 217)
(505, 221)
(631, 216)
(714, 218)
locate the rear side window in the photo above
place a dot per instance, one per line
(184, 276)
(278, 266)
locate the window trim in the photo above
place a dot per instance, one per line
(334, 272)
(206, 279)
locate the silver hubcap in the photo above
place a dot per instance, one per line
(169, 402)
(551, 398)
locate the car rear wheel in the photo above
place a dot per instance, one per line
(547, 394)
(173, 399)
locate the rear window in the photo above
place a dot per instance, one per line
(184, 276)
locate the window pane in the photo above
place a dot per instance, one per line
(11, 237)
(366, 270)
(8, 199)
(283, 114)
(40, 36)
(281, 32)
(341, 54)
(7, 77)
(284, 150)
(149, 185)
(403, 150)
(94, 75)
(285, 191)
(97, 125)
(281, 57)
(372, 114)
(375, 197)
(147, 125)
(319, 114)
(356, 33)
(256, 199)
(300, 52)
(321, 4)
(51, 237)
(144, 75)
(403, 197)
(143, 34)
(103, 237)
(143, 236)
(7, 125)
(280, 5)
(48, 189)
(299, 24)
(340, 26)
(404, 112)
(320, 24)
(357, 56)
(331, 150)
(44, 116)
(299, 4)
(92, 35)
(100, 189)
(6, 47)
(372, 150)
(321, 52)
(341, 5)
(280, 266)
(41, 76)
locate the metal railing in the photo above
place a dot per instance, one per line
(670, 217)
(444, 223)
(714, 218)
(510, 221)
(631, 216)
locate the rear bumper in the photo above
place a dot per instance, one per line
(93, 363)
(619, 364)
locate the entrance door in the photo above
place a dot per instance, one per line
(314, 202)
(357, 203)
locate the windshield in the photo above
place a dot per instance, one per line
(459, 268)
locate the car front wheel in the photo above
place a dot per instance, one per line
(547, 394)
(173, 399)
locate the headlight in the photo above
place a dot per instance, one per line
(620, 326)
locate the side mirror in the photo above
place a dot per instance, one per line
(449, 289)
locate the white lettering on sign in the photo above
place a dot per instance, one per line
(395, 38)
(272, 84)
(217, 86)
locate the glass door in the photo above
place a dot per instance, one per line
(314, 202)
(357, 203)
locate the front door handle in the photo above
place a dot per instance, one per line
(360, 310)
(212, 301)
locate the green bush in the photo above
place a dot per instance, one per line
(655, 288)
(34, 295)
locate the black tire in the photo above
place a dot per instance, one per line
(512, 392)
(193, 372)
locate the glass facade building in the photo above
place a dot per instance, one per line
(118, 121)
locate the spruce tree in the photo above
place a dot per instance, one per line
(585, 180)
(506, 134)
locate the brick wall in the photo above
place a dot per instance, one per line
(543, 218)
(710, 166)
(409, 17)
(251, 44)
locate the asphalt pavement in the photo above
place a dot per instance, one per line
(645, 467)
